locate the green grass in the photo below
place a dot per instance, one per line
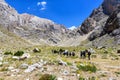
(48, 77)
(19, 53)
(87, 67)
(8, 53)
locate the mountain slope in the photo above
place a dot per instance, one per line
(106, 31)
(9, 40)
(36, 30)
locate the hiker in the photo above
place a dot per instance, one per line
(70, 54)
(61, 51)
(89, 54)
(83, 54)
(65, 53)
(73, 53)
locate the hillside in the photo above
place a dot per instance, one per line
(10, 41)
(103, 24)
(35, 29)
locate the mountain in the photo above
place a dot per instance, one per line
(104, 25)
(32, 28)
(101, 28)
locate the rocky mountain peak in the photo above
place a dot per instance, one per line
(110, 5)
(35, 29)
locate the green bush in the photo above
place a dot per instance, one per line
(4, 69)
(19, 53)
(8, 53)
(47, 77)
(92, 78)
(1, 79)
(117, 73)
(87, 67)
(81, 78)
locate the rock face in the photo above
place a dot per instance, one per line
(107, 28)
(110, 5)
(36, 30)
(113, 22)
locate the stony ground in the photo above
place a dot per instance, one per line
(63, 67)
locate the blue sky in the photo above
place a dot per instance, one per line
(66, 12)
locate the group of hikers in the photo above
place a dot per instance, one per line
(83, 54)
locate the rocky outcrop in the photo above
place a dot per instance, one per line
(110, 5)
(113, 22)
(106, 29)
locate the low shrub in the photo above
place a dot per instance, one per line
(87, 67)
(117, 73)
(92, 78)
(8, 53)
(4, 69)
(81, 78)
(1, 79)
(48, 77)
(19, 53)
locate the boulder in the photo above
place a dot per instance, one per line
(60, 62)
(24, 66)
(10, 68)
(36, 50)
(15, 57)
(27, 55)
(59, 78)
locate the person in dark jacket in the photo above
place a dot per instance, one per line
(89, 54)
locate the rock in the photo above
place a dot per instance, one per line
(24, 66)
(27, 79)
(30, 69)
(65, 72)
(112, 78)
(1, 58)
(42, 70)
(59, 78)
(110, 5)
(60, 62)
(112, 23)
(33, 67)
(10, 68)
(36, 50)
(1, 63)
(24, 56)
(15, 57)
(15, 70)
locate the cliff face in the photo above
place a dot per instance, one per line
(110, 5)
(36, 30)
(108, 24)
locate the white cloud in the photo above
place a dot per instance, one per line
(72, 27)
(39, 3)
(42, 4)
